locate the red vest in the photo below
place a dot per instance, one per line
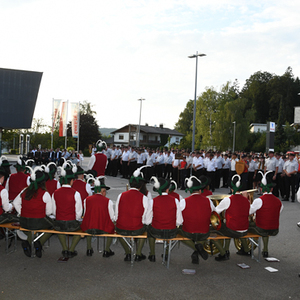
(51, 186)
(65, 204)
(206, 193)
(97, 215)
(1, 209)
(267, 217)
(100, 164)
(130, 210)
(196, 215)
(17, 182)
(237, 213)
(80, 187)
(34, 208)
(164, 212)
(175, 195)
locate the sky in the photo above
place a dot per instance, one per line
(112, 53)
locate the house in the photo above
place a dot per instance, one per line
(258, 127)
(150, 136)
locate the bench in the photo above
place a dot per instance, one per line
(169, 243)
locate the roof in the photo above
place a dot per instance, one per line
(149, 129)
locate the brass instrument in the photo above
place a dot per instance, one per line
(215, 218)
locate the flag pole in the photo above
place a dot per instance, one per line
(66, 128)
(52, 123)
(78, 127)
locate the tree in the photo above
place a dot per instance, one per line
(86, 108)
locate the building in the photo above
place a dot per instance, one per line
(150, 136)
(258, 127)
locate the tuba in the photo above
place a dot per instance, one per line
(216, 219)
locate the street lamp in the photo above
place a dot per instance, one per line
(138, 140)
(233, 136)
(194, 113)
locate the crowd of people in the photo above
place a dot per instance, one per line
(44, 156)
(68, 198)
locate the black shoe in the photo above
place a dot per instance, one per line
(151, 258)
(195, 258)
(127, 257)
(293, 200)
(227, 253)
(65, 253)
(265, 254)
(166, 256)
(140, 257)
(201, 251)
(221, 257)
(89, 252)
(108, 253)
(72, 254)
(243, 252)
(26, 248)
(38, 249)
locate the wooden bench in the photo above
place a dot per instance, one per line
(168, 243)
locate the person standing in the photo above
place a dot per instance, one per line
(98, 161)
(290, 170)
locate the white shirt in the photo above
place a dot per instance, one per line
(219, 162)
(271, 164)
(252, 166)
(5, 202)
(211, 166)
(257, 204)
(227, 163)
(290, 166)
(232, 166)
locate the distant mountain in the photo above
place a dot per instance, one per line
(107, 131)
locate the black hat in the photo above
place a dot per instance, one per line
(37, 175)
(236, 183)
(2, 171)
(195, 184)
(4, 162)
(160, 184)
(266, 181)
(205, 181)
(138, 175)
(79, 170)
(21, 165)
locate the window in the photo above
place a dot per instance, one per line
(121, 136)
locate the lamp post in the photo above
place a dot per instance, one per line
(194, 113)
(138, 137)
(233, 145)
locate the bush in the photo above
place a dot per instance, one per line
(14, 151)
(86, 153)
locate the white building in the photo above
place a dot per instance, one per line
(258, 127)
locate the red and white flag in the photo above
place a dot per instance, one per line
(75, 118)
(63, 119)
(56, 105)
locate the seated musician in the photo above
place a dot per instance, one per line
(51, 183)
(165, 214)
(236, 216)
(5, 206)
(131, 214)
(267, 210)
(196, 211)
(98, 217)
(205, 190)
(34, 205)
(67, 208)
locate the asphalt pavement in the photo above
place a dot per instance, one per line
(96, 277)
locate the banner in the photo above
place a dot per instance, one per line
(63, 119)
(56, 104)
(75, 118)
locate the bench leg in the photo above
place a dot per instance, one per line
(132, 250)
(32, 244)
(258, 245)
(9, 234)
(169, 254)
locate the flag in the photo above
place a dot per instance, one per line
(63, 119)
(75, 118)
(56, 105)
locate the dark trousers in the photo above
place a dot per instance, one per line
(211, 175)
(290, 184)
(114, 167)
(168, 171)
(250, 180)
(217, 178)
(132, 167)
(183, 176)
(225, 177)
(125, 169)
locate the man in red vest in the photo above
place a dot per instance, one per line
(99, 217)
(17, 181)
(131, 214)
(98, 161)
(67, 208)
(267, 210)
(83, 188)
(237, 209)
(196, 211)
(165, 213)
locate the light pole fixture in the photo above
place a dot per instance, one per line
(194, 113)
(138, 137)
(233, 145)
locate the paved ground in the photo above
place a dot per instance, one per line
(111, 278)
